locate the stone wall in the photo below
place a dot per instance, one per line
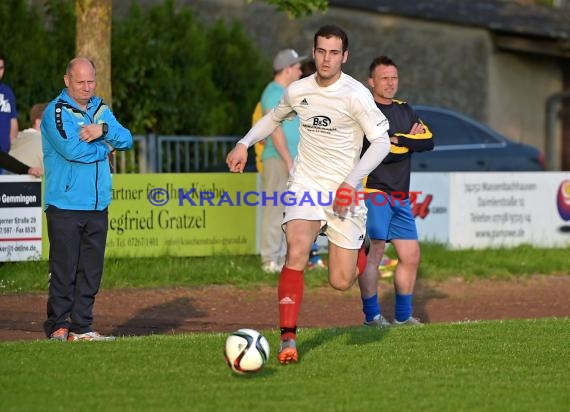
(440, 64)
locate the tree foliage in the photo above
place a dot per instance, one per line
(36, 43)
(298, 8)
(170, 73)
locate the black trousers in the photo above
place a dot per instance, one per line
(77, 241)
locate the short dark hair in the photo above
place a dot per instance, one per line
(329, 31)
(380, 60)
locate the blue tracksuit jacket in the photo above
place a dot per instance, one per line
(77, 174)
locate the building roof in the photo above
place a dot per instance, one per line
(506, 17)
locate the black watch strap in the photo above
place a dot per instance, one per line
(105, 128)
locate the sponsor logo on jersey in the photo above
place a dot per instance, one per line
(320, 121)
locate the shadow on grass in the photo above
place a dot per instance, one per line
(423, 294)
(266, 372)
(158, 319)
(358, 335)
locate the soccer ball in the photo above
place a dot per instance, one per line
(246, 351)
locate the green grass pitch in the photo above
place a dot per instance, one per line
(521, 365)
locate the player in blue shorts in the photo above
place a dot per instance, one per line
(389, 217)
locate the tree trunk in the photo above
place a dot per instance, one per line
(93, 40)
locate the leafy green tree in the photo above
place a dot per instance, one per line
(35, 41)
(298, 8)
(172, 75)
(237, 62)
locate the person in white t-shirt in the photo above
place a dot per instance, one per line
(335, 112)
(27, 147)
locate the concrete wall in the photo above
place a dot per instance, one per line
(518, 88)
(440, 64)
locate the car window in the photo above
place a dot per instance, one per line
(450, 130)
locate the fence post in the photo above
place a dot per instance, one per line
(151, 153)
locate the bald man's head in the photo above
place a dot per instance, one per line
(80, 80)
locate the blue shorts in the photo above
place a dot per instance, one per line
(391, 220)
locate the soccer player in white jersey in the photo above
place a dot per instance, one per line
(335, 112)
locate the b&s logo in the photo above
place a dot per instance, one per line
(322, 121)
(563, 200)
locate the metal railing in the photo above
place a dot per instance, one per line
(175, 154)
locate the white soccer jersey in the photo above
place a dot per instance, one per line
(333, 122)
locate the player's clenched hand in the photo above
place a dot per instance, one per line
(345, 199)
(237, 158)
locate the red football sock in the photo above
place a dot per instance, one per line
(290, 292)
(361, 260)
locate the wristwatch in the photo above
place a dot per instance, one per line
(105, 128)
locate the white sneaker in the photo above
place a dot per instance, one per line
(379, 321)
(411, 321)
(89, 336)
(271, 267)
(319, 264)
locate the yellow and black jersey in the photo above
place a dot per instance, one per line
(393, 174)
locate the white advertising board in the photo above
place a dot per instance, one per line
(432, 205)
(20, 218)
(479, 210)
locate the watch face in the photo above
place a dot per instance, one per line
(105, 128)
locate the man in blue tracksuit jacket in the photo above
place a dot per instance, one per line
(79, 132)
